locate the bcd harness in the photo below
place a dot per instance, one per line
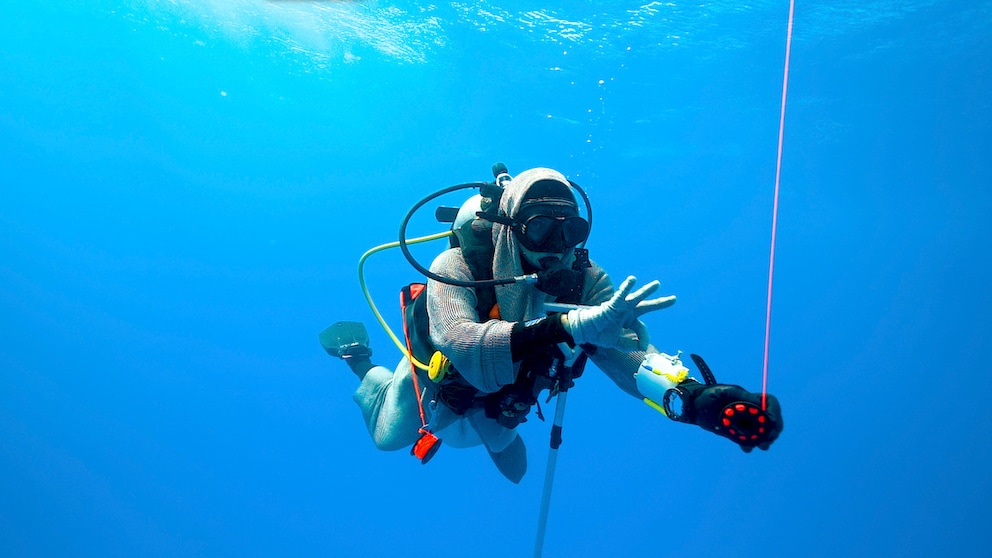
(510, 405)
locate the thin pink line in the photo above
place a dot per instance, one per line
(778, 177)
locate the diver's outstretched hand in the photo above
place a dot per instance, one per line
(644, 306)
(603, 325)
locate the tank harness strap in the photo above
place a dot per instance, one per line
(475, 239)
(475, 243)
(407, 295)
(428, 444)
(415, 321)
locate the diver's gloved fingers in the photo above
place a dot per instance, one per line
(640, 333)
(640, 294)
(625, 287)
(628, 341)
(603, 325)
(659, 303)
(773, 406)
(774, 410)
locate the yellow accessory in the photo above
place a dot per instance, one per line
(658, 373)
(438, 367)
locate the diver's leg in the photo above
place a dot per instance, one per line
(512, 461)
(505, 446)
(359, 364)
(389, 404)
(388, 401)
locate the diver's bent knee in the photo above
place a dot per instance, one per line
(391, 441)
(512, 461)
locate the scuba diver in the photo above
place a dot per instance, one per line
(514, 307)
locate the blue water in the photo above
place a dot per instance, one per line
(187, 188)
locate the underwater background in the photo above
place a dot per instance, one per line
(187, 187)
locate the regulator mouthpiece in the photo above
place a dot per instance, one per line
(556, 278)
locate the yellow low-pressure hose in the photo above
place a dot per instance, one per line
(368, 297)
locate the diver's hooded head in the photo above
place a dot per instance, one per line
(539, 201)
(532, 193)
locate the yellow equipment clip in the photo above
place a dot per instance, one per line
(438, 367)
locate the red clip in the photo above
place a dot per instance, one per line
(425, 447)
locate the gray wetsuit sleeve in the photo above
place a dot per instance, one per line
(480, 351)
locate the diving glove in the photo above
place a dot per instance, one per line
(603, 325)
(725, 410)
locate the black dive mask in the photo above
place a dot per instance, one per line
(546, 233)
(557, 279)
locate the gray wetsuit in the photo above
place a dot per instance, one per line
(480, 350)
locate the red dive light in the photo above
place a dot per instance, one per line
(744, 421)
